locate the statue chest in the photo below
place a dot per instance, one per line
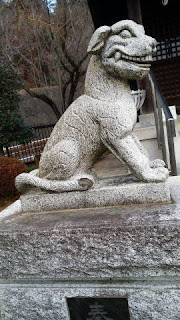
(118, 114)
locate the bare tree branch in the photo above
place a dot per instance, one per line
(45, 99)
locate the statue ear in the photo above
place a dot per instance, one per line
(98, 40)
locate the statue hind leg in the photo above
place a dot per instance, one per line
(57, 170)
(60, 162)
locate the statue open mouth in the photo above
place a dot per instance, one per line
(141, 61)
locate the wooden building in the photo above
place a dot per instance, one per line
(161, 19)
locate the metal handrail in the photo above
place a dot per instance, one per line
(159, 104)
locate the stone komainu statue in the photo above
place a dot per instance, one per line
(103, 117)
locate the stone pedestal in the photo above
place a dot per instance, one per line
(112, 191)
(112, 252)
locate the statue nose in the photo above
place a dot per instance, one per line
(152, 44)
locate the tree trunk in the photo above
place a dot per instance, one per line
(47, 100)
(134, 10)
(74, 83)
(1, 152)
(134, 13)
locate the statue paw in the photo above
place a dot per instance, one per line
(155, 175)
(85, 183)
(157, 163)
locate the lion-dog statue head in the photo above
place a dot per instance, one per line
(124, 49)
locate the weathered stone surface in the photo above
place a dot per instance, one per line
(106, 192)
(99, 243)
(109, 166)
(103, 117)
(14, 208)
(37, 302)
(123, 251)
(174, 186)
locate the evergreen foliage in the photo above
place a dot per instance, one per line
(12, 127)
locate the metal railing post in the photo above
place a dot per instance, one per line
(170, 135)
(162, 105)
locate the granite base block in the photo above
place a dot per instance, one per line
(99, 243)
(130, 252)
(155, 301)
(107, 192)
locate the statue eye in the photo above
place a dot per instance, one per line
(125, 33)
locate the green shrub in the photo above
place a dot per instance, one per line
(12, 127)
(9, 169)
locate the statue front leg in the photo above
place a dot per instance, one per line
(156, 163)
(139, 145)
(127, 150)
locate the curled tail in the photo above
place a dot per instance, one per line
(76, 183)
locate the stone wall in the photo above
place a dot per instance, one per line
(34, 111)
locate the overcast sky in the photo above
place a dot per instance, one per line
(51, 2)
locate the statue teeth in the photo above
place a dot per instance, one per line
(117, 56)
(148, 58)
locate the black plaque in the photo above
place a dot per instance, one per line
(98, 308)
